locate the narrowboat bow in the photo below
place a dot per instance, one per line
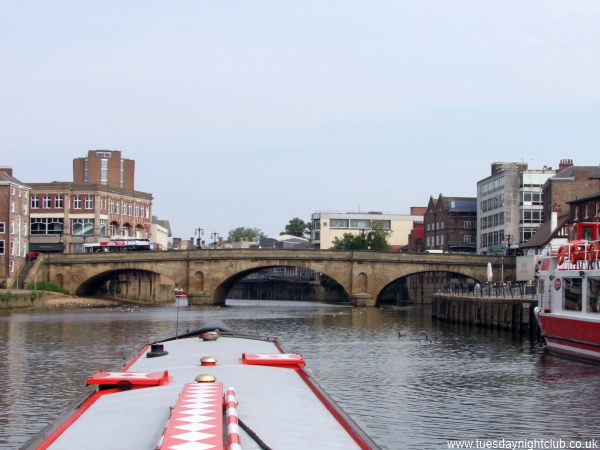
(207, 389)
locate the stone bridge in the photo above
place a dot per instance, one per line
(207, 275)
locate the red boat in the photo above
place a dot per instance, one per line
(568, 310)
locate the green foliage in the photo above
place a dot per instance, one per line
(247, 233)
(45, 286)
(375, 239)
(296, 227)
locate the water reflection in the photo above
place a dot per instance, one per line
(412, 383)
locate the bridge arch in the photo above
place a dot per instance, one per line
(223, 288)
(129, 284)
(419, 286)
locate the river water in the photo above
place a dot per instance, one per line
(410, 382)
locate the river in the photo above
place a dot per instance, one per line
(410, 382)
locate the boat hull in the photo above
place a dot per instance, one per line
(571, 336)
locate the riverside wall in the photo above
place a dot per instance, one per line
(494, 312)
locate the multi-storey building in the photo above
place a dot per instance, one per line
(451, 224)
(510, 205)
(571, 182)
(14, 227)
(105, 167)
(570, 196)
(326, 226)
(97, 205)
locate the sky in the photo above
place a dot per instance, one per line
(249, 114)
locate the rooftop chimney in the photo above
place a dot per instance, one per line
(7, 170)
(564, 163)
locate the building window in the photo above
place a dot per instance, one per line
(102, 227)
(114, 226)
(12, 227)
(2, 247)
(467, 238)
(77, 202)
(104, 171)
(89, 202)
(12, 190)
(58, 201)
(11, 265)
(112, 206)
(577, 213)
(82, 227)
(122, 176)
(2, 227)
(46, 201)
(333, 223)
(46, 225)
(117, 207)
(12, 247)
(25, 210)
(12, 206)
(586, 212)
(35, 201)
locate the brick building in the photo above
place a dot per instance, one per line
(571, 182)
(99, 204)
(105, 167)
(570, 196)
(14, 226)
(451, 224)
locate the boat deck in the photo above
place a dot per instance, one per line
(274, 402)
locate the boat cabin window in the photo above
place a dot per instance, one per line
(572, 294)
(594, 295)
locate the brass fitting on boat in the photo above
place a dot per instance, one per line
(210, 336)
(208, 361)
(205, 378)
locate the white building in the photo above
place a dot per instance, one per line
(509, 205)
(326, 226)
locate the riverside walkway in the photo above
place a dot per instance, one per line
(496, 306)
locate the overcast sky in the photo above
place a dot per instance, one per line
(244, 113)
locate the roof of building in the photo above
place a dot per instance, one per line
(586, 198)
(544, 234)
(6, 178)
(569, 172)
(162, 223)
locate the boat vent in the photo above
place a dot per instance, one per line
(279, 359)
(156, 350)
(126, 380)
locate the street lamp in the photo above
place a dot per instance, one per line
(199, 232)
(214, 235)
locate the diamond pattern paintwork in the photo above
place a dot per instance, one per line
(196, 422)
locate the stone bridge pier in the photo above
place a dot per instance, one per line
(208, 275)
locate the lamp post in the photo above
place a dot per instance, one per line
(214, 235)
(199, 232)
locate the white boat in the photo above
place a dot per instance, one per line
(568, 310)
(209, 389)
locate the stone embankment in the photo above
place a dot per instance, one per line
(19, 298)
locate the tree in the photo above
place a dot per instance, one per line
(374, 239)
(245, 233)
(296, 227)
